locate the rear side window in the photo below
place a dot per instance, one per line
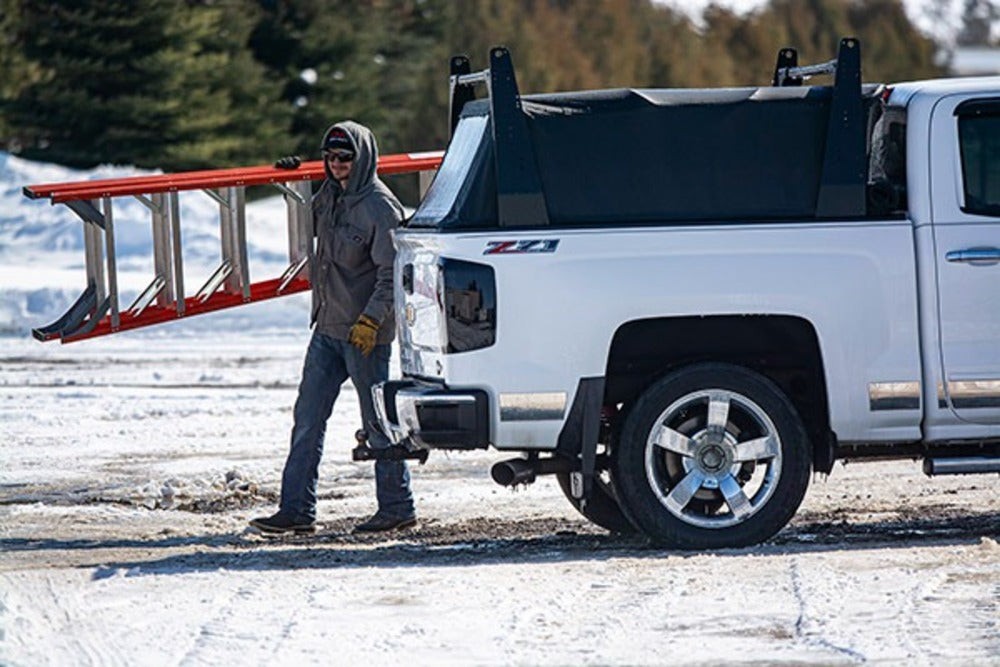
(979, 142)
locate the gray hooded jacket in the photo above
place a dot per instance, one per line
(351, 273)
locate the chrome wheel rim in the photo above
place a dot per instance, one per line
(713, 458)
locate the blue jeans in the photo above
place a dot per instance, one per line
(329, 362)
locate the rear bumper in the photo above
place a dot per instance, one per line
(431, 415)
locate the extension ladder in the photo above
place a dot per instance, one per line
(97, 312)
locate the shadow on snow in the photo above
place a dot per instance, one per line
(493, 541)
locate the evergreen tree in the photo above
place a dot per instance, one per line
(892, 49)
(179, 84)
(678, 55)
(366, 61)
(257, 123)
(146, 82)
(15, 68)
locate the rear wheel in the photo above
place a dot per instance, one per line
(602, 507)
(712, 456)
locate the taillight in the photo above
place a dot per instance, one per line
(408, 278)
(470, 304)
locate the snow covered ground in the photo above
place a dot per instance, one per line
(130, 466)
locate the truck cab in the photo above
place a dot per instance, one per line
(954, 178)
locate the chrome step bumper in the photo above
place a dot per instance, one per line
(431, 415)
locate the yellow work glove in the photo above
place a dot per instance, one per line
(362, 335)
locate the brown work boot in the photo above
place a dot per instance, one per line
(383, 522)
(282, 523)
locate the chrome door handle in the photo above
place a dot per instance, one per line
(975, 256)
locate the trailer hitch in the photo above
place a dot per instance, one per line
(365, 452)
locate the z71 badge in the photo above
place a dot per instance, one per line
(520, 247)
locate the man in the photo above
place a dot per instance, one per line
(351, 274)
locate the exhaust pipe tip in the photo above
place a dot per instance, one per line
(513, 472)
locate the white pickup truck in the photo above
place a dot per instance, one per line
(684, 302)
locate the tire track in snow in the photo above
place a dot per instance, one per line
(968, 594)
(229, 632)
(803, 623)
(86, 641)
(914, 611)
(50, 610)
(289, 626)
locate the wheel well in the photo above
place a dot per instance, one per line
(784, 349)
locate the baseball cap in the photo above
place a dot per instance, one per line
(337, 138)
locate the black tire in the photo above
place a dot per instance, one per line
(602, 508)
(712, 456)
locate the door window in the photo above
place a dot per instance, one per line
(979, 141)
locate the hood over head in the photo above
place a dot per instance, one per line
(362, 142)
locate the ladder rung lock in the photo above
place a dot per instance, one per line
(213, 282)
(148, 203)
(146, 297)
(290, 273)
(217, 197)
(288, 192)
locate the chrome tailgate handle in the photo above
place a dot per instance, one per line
(975, 256)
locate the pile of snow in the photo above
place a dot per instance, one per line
(42, 250)
(235, 490)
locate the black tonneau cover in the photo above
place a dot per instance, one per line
(639, 156)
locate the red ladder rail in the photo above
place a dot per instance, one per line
(96, 312)
(58, 193)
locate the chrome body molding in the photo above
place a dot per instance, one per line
(532, 406)
(970, 394)
(893, 396)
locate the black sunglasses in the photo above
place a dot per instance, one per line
(340, 156)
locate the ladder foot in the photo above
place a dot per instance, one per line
(71, 319)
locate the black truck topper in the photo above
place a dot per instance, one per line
(641, 156)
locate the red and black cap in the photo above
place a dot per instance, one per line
(337, 138)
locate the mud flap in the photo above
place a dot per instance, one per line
(578, 438)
